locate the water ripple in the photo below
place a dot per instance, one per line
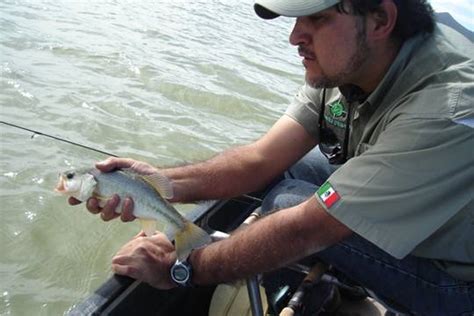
(169, 82)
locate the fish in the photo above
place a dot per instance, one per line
(149, 194)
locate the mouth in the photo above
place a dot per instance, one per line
(308, 57)
(306, 54)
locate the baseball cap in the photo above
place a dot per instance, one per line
(270, 9)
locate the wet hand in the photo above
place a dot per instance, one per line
(148, 259)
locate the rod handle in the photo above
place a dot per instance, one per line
(316, 272)
(287, 311)
(256, 214)
(296, 301)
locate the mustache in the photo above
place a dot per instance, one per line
(305, 52)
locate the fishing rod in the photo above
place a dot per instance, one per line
(35, 132)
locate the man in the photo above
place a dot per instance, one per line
(387, 91)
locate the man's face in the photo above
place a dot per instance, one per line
(334, 47)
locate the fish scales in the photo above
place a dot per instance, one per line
(148, 203)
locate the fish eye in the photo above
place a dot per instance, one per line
(70, 175)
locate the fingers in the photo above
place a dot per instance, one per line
(127, 270)
(108, 211)
(73, 201)
(147, 259)
(140, 234)
(158, 278)
(113, 163)
(93, 206)
(160, 239)
(128, 257)
(121, 269)
(127, 210)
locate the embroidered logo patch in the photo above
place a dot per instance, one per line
(337, 109)
(328, 195)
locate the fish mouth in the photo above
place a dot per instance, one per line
(60, 187)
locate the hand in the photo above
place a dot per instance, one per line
(107, 212)
(147, 259)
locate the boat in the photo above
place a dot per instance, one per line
(120, 295)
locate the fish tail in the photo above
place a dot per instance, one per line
(148, 226)
(188, 238)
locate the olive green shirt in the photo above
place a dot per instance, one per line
(409, 184)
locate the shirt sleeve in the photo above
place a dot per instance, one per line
(305, 109)
(409, 183)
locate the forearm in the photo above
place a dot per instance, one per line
(270, 243)
(228, 174)
(243, 169)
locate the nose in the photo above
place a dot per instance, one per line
(298, 35)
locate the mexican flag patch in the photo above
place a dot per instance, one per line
(328, 195)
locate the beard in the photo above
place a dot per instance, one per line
(359, 57)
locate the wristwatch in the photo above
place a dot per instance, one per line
(181, 273)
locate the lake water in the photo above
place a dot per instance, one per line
(169, 82)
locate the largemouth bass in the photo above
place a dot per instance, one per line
(149, 195)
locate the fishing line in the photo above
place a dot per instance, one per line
(57, 138)
(35, 132)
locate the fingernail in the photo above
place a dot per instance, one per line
(116, 198)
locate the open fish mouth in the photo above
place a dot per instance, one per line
(60, 187)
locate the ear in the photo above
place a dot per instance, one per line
(381, 22)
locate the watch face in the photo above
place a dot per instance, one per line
(180, 273)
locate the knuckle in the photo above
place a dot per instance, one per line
(142, 251)
(133, 272)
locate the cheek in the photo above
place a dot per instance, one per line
(335, 54)
(326, 60)
(72, 186)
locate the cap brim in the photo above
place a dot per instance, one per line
(270, 9)
(264, 13)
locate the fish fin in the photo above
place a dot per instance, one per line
(148, 226)
(160, 183)
(189, 238)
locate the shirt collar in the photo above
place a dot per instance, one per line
(353, 93)
(403, 58)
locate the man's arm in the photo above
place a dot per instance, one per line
(243, 169)
(234, 172)
(272, 242)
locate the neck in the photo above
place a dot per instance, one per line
(376, 66)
